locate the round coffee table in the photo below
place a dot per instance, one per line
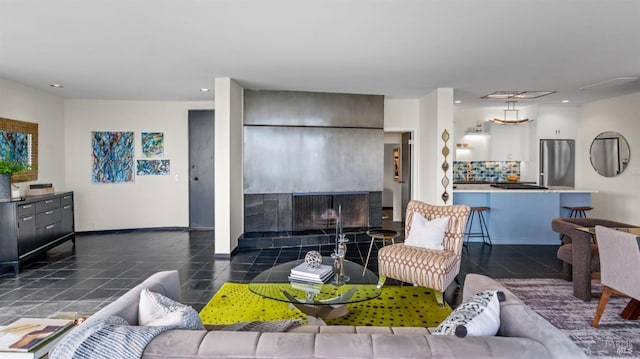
(318, 300)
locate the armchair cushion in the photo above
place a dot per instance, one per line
(427, 234)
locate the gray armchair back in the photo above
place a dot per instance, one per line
(579, 254)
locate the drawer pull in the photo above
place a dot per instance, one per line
(67, 207)
(66, 197)
(49, 212)
(27, 206)
(27, 218)
(50, 226)
(48, 201)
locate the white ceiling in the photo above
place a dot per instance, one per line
(169, 49)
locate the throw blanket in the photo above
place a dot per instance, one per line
(108, 338)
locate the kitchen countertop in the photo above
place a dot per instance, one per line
(482, 188)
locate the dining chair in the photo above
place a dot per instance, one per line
(619, 257)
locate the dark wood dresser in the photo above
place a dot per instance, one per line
(30, 227)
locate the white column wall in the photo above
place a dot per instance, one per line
(228, 166)
(436, 115)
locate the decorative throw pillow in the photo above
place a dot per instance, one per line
(425, 233)
(479, 315)
(155, 309)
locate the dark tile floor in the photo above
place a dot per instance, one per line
(102, 267)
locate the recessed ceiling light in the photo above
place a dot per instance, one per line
(56, 86)
(204, 90)
(565, 101)
(457, 101)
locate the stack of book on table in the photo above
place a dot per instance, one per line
(303, 273)
(31, 337)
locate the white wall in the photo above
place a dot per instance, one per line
(617, 197)
(392, 190)
(400, 115)
(22, 103)
(150, 201)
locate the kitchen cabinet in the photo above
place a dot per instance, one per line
(509, 142)
(556, 122)
(33, 226)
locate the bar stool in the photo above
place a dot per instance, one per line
(384, 235)
(578, 212)
(484, 232)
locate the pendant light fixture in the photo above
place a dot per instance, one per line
(511, 116)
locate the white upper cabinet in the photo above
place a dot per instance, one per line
(509, 142)
(556, 122)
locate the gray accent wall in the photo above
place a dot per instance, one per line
(312, 159)
(296, 108)
(312, 142)
(309, 143)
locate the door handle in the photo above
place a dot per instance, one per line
(195, 178)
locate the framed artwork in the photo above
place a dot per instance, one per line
(397, 169)
(113, 156)
(153, 167)
(19, 142)
(152, 144)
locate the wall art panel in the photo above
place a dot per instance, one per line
(113, 156)
(152, 144)
(153, 167)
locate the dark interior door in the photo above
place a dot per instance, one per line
(201, 175)
(406, 171)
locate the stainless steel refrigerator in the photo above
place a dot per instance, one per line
(557, 163)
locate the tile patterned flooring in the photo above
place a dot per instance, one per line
(101, 267)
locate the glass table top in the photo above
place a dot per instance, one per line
(361, 285)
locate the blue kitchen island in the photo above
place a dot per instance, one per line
(520, 216)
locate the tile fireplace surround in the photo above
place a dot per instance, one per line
(269, 219)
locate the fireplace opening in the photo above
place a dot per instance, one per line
(320, 210)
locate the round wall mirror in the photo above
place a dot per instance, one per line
(610, 154)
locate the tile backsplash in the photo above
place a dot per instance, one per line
(493, 171)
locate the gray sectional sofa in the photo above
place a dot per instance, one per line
(522, 334)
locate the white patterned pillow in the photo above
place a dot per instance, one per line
(425, 233)
(479, 315)
(155, 309)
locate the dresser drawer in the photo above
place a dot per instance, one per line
(26, 209)
(67, 199)
(47, 233)
(48, 204)
(47, 217)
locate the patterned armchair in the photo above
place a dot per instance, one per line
(427, 267)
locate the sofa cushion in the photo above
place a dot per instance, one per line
(157, 310)
(425, 233)
(479, 315)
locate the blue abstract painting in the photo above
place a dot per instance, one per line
(14, 146)
(153, 167)
(113, 156)
(152, 144)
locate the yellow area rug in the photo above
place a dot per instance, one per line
(397, 306)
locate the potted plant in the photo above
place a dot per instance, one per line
(9, 167)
